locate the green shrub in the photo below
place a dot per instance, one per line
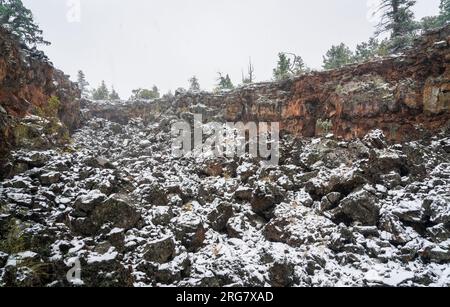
(324, 126)
(13, 241)
(50, 110)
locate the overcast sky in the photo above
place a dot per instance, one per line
(138, 43)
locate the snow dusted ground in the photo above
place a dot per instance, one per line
(333, 213)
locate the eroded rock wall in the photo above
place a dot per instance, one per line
(405, 96)
(27, 83)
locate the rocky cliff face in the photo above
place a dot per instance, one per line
(28, 81)
(404, 96)
(334, 212)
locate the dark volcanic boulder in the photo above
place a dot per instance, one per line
(154, 194)
(265, 196)
(219, 217)
(105, 270)
(117, 211)
(360, 207)
(160, 251)
(189, 229)
(85, 204)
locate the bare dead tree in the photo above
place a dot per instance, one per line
(250, 74)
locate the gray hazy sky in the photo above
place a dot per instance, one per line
(138, 43)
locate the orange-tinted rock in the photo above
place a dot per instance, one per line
(27, 82)
(403, 96)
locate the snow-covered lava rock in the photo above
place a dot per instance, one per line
(332, 213)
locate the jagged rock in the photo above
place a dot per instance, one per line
(387, 161)
(38, 159)
(367, 231)
(409, 211)
(21, 199)
(116, 128)
(375, 139)
(50, 178)
(117, 238)
(162, 215)
(325, 204)
(330, 201)
(237, 226)
(160, 251)
(275, 230)
(170, 275)
(213, 168)
(85, 204)
(105, 270)
(391, 199)
(344, 182)
(340, 239)
(19, 183)
(302, 198)
(3, 259)
(438, 233)
(436, 253)
(360, 207)
(154, 194)
(245, 171)
(167, 273)
(391, 180)
(281, 274)
(243, 194)
(396, 232)
(208, 192)
(99, 162)
(218, 218)
(117, 210)
(266, 196)
(438, 209)
(190, 231)
(334, 197)
(83, 226)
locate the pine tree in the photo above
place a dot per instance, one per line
(287, 68)
(283, 67)
(398, 19)
(83, 84)
(101, 93)
(299, 67)
(432, 22)
(368, 50)
(444, 14)
(146, 94)
(155, 91)
(114, 95)
(225, 83)
(17, 19)
(194, 85)
(337, 57)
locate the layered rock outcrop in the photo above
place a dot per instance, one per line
(28, 81)
(404, 95)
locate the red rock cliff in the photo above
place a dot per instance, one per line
(27, 82)
(405, 96)
(401, 95)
